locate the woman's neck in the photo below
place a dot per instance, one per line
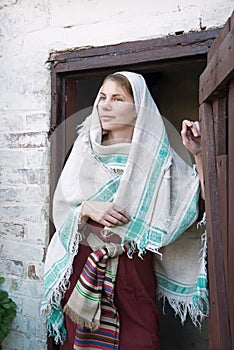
(118, 136)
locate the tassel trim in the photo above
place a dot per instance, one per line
(82, 322)
(193, 309)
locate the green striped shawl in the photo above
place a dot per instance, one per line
(158, 188)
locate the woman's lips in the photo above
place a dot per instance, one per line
(107, 117)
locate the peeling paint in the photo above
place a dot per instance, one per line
(32, 272)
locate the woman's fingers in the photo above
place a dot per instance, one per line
(121, 213)
(195, 129)
(117, 216)
(191, 136)
(106, 213)
(190, 128)
(197, 132)
(111, 221)
(184, 131)
(106, 223)
(114, 221)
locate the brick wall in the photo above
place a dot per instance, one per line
(23, 226)
(29, 31)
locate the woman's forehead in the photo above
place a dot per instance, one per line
(113, 87)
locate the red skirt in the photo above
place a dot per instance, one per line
(135, 294)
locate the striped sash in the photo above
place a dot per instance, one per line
(91, 304)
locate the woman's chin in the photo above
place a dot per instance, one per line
(108, 126)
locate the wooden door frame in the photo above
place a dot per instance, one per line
(216, 97)
(142, 56)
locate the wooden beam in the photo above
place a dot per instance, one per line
(137, 46)
(56, 134)
(71, 105)
(222, 178)
(220, 134)
(231, 206)
(56, 85)
(220, 125)
(220, 70)
(218, 325)
(158, 49)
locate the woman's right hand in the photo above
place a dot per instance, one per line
(191, 136)
(105, 213)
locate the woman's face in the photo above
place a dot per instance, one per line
(116, 107)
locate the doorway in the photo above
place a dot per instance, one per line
(174, 85)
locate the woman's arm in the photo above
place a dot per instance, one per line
(191, 137)
(106, 213)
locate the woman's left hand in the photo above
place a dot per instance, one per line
(191, 136)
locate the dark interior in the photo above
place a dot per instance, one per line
(175, 89)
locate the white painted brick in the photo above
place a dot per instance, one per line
(32, 232)
(12, 285)
(24, 158)
(35, 272)
(26, 93)
(20, 341)
(31, 307)
(89, 12)
(23, 213)
(31, 194)
(31, 327)
(14, 341)
(213, 15)
(19, 91)
(13, 100)
(24, 288)
(11, 122)
(33, 90)
(37, 159)
(36, 344)
(12, 230)
(30, 16)
(37, 122)
(11, 158)
(19, 250)
(18, 301)
(24, 139)
(83, 34)
(11, 176)
(133, 21)
(36, 234)
(12, 267)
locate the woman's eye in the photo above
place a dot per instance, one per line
(102, 98)
(118, 99)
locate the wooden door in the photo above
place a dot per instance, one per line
(216, 97)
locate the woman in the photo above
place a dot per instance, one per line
(123, 199)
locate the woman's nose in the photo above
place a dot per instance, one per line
(106, 105)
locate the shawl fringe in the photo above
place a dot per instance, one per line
(182, 309)
(198, 308)
(59, 334)
(78, 319)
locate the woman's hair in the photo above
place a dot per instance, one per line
(122, 80)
